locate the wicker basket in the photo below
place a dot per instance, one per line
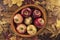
(44, 16)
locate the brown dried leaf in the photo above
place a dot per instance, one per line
(37, 2)
(13, 38)
(3, 22)
(1, 29)
(5, 2)
(50, 4)
(1, 8)
(51, 20)
(53, 29)
(9, 2)
(58, 16)
(56, 11)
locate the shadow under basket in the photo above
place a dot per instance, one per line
(32, 6)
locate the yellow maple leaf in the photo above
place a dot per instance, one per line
(58, 23)
(11, 2)
(57, 3)
(14, 1)
(13, 38)
(19, 3)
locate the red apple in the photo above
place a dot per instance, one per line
(26, 12)
(21, 28)
(39, 22)
(18, 18)
(36, 13)
(31, 29)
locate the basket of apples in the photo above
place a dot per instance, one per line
(28, 20)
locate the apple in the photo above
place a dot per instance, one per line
(39, 22)
(28, 21)
(36, 13)
(18, 18)
(21, 28)
(26, 12)
(31, 30)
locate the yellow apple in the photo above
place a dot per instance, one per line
(31, 29)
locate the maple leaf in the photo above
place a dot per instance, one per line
(37, 2)
(10, 3)
(19, 3)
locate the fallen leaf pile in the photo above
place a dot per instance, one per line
(53, 9)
